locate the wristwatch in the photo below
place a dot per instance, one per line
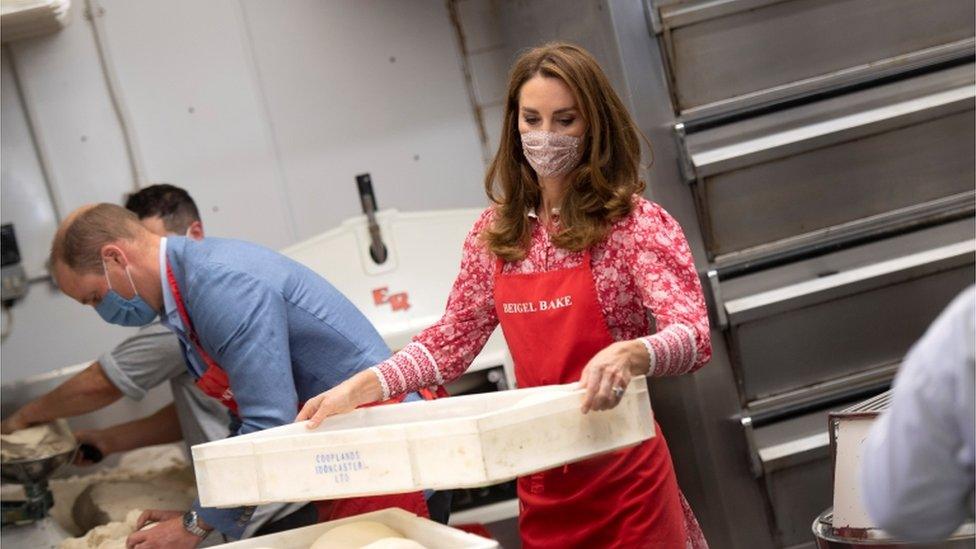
(191, 524)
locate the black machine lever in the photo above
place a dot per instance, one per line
(377, 250)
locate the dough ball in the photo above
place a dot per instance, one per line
(354, 535)
(107, 536)
(394, 543)
(111, 501)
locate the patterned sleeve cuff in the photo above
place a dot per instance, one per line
(408, 370)
(673, 350)
(383, 384)
(650, 354)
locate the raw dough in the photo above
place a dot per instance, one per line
(36, 442)
(108, 536)
(162, 466)
(355, 535)
(110, 501)
(394, 543)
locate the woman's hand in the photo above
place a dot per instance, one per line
(362, 388)
(608, 373)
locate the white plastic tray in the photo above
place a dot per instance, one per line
(458, 442)
(425, 532)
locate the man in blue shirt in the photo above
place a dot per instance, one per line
(260, 332)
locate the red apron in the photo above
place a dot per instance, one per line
(215, 383)
(553, 325)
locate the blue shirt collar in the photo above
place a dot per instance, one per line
(171, 315)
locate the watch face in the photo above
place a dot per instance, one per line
(191, 526)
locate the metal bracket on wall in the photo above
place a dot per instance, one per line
(720, 317)
(755, 464)
(653, 17)
(688, 173)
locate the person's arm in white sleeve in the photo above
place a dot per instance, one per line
(917, 472)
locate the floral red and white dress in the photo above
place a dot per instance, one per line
(646, 284)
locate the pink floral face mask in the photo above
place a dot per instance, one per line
(551, 154)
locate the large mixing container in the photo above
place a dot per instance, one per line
(849, 538)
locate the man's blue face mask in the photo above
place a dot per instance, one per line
(115, 309)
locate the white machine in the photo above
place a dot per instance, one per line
(407, 291)
(847, 524)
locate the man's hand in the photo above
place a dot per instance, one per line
(608, 373)
(362, 388)
(167, 533)
(157, 515)
(13, 423)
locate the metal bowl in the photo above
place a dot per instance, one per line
(873, 538)
(34, 471)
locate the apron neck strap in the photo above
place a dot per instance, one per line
(181, 307)
(587, 257)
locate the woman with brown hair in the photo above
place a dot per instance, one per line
(568, 228)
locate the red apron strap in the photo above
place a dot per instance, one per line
(185, 317)
(433, 394)
(587, 258)
(214, 381)
(425, 393)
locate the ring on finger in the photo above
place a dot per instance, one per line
(618, 392)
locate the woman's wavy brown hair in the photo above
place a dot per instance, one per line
(602, 184)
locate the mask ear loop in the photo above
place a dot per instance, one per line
(133, 284)
(105, 270)
(127, 273)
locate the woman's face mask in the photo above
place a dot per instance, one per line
(115, 309)
(551, 126)
(551, 154)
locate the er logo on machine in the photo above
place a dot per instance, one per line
(397, 301)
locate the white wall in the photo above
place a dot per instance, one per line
(264, 111)
(496, 31)
(25, 199)
(369, 86)
(77, 132)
